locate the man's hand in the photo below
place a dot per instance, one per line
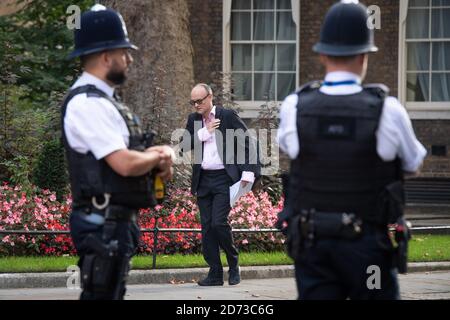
(244, 183)
(213, 125)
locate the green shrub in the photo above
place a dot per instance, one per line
(50, 170)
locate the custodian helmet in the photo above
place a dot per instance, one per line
(345, 31)
(100, 29)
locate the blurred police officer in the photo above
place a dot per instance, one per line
(108, 157)
(350, 145)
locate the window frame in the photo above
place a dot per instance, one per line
(251, 108)
(417, 110)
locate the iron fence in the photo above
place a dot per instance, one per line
(156, 231)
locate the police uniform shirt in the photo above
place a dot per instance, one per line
(93, 123)
(395, 134)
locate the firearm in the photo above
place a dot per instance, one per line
(159, 188)
(402, 236)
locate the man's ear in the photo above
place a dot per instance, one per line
(105, 59)
(323, 59)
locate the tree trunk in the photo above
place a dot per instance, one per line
(162, 75)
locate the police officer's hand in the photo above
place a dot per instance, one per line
(165, 152)
(167, 157)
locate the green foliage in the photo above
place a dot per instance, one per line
(34, 75)
(50, 170)
(40, 41)
(22, 132)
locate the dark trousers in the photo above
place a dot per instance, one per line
(337, 269)
(213, 199)
(127, 235)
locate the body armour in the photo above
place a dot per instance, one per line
(338, 168)
(94, 180)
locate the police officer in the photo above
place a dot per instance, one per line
(108, 155)
(350, 145)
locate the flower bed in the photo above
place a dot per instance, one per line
(40, 210)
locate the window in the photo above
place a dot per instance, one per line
(426, 55)
(261, 50)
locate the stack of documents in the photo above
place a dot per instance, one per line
(237, 191)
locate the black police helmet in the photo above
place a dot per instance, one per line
(345, 31)
(100, 29)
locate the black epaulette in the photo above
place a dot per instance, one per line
(313, 85)
(92, 92)
(377, 88)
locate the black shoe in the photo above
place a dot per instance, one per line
(234, 277)
(210, 281)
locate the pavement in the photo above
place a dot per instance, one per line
(165, 276)
(424, 281)
(413, 286)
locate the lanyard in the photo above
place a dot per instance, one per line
(339, 83)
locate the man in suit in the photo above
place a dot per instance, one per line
(216, 167)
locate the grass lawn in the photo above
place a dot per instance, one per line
(422, 248)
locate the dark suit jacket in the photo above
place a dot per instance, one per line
(229, 119)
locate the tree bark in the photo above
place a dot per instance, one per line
(162, 75)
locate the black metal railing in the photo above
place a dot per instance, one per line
(156, 231)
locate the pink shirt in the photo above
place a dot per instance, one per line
(211, 159)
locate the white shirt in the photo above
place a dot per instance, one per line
(211, 158)
(395, 134)
(94, 124)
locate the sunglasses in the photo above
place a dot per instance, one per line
(199, 101)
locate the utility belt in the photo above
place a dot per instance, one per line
(111, 212)
(311, 225)
(316, 224)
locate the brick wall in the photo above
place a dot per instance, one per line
(434, 132)
(383, 66)
(206, 30)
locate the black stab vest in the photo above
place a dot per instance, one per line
(90, 177)
(338, 168)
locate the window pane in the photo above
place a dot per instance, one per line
(242, 85)
(240, 26)
(419, 3)
(440, 87)
(440, 3)
(286, 85)
(417, 23)
(263, 4)
(264, 57)
(283, 4)
(417, 87)
(241, 4)
(441, 56)
(286, 57)
(440, 23)
(418, 56)
(285, 26)
(264, 86)
(241, 57)
(263, 26)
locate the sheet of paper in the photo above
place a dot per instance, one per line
(237, 191)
